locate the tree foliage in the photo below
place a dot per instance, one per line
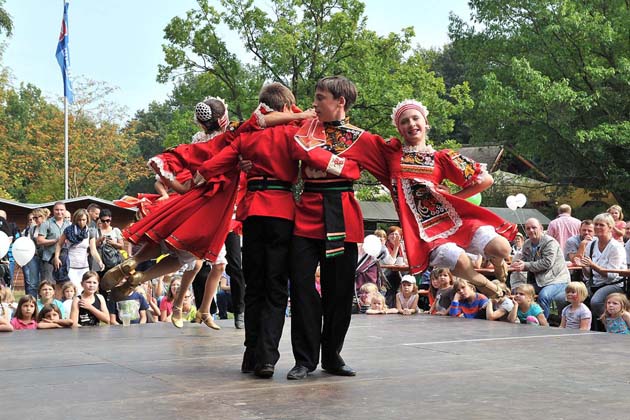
(102, 159)
(551, 78)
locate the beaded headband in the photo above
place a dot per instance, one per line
(406, 105)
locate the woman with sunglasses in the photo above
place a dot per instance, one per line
(106, 233)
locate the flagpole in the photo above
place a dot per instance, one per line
(65, 146)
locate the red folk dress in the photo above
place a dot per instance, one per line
(428, 216)
(199, 220)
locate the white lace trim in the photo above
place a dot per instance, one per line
(202, 137)
(260, 117)
(162, 172)
(406, 187)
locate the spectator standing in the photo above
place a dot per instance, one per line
(49, 233)
(542, 258)
(12, 232)
(564, 226)
(94, 211)
(620, 226)
(32, 268)
(78, 239)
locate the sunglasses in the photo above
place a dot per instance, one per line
(106, 220)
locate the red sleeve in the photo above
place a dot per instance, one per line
(224, 161)
(459, 169)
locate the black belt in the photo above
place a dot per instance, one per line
(268, 184)
(323, 187)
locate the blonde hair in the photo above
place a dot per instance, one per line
(579, 288)
(6, 295)
(67, 285)
(379, 298)
(618, 208)
(605, 218)
(369, 288)
(526, 289)
(623, 299)
(460, 282)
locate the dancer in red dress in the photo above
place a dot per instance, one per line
(438, 227)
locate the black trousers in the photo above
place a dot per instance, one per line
(235, 271)
(266, 243)
(307, 308)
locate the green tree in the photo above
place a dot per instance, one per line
(551, 78)
(297, 42)
(6, 23)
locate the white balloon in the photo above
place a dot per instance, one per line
(23, 250)
(520, 200)
(5, 242)
(372, 245)
(511, 202)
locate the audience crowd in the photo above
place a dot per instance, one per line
(574, 275)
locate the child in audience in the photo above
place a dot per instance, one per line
(526, 310)
(443, 291)
(189, 311)
(379, 307)
(46, 291)
(68, 292)
(166, 305)
(5, 315)
(366, 293)
(139, 317)
(7, 301)
(407, 298)
(499, 309)
(467, 303)
(89, 308)
(577, 315)
(25, 314)
(50, 317)
(616, 317)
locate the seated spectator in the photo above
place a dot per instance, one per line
(499, 308)
(5, 316)
(47, 296)
(166, 305)
(50, 317)
(526, 311)
(543, 260)
(575, 245)
(365, 295)
(616, 318)
(68, 292)
(442, 284)
(604, 253)
(379, 307)
(89, 308)
(396, 256)
(407, 297)
(189, 310)
(140, 317)
(467, 303)
(577, 315)
(7, 301)
(224, 296)
(25, 317)
(150, 291)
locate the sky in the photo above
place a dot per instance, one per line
(119, 42)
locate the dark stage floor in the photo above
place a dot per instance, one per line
(408, 367)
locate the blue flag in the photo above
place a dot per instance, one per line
(63, 54)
